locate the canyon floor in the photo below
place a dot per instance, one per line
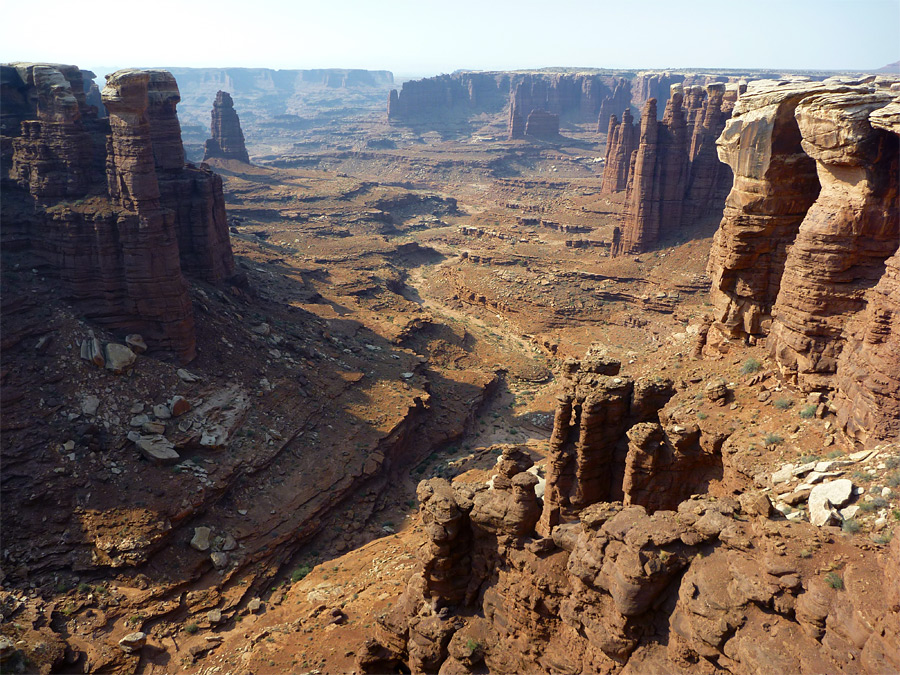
(410, 299)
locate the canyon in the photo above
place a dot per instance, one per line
(541, 371)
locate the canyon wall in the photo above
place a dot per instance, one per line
(109, 205)
(801, 257)
(227, 139)
(578, 96)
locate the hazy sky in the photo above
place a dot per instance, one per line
(428, 37)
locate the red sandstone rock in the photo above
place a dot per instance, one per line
(656, 188)
(842, 243)
(775, 183)
(621, 142)
(710, 180)
(120, 258)
(542, 124)
(227, 138)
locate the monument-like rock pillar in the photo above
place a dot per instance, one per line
(621, 143)
(227, 139)
(156, 292)
(641, 217)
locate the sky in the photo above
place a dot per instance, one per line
(426, 37)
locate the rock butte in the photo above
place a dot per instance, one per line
(227, 139)
(150, 217)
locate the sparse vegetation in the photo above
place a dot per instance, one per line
(773, 439)
(751, 365)
(782, 403)
(473, 645)
(834, 580)
(883, 538)
(191, 628)
(850, 525)
(300, 573)
(873, 505)
(701, 415)
(808, 411)
(805, 553)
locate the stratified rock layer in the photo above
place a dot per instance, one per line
(800, 254)
(227, 139)
(140, 216)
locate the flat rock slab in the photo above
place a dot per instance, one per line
(825, 497)
(157, 448)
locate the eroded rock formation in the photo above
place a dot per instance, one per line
(621, 142)
(711, 587)
(809, 224)
(227, 139)
(674, 178)
(139, 216)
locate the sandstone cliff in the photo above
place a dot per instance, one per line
(808, 226)
(109, 205)
(227, 139)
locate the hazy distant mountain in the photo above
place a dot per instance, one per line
(890, 68)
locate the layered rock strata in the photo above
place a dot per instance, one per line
(620, 99)
(109, 205)
(227, 139)
(542, 124)
(674, 178)
(802, 248)
(571, 96)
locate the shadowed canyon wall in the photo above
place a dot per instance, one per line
(109, 205)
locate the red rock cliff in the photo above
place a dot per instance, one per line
(139, 216)
(800, 255)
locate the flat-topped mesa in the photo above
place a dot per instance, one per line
(621, 142)
(542, 124)
(577, 96)
(227, 139)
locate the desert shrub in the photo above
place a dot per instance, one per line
(808, 411)
(191, 628)
(751, 365)
(850, 526)
(834, 580)
(773, 439)
(300, 573)
(782, 403)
